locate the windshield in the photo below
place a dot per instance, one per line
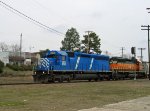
(51, 56)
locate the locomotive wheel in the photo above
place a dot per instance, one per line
(101, 78)
(89, 80)
(44, 81)
(114, 78)
(68, 79)
(53, 80)
(61, 79)
(108, 79)
(96, 80)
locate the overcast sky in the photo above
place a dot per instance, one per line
(117, 22)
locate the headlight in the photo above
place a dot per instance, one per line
(43, 72)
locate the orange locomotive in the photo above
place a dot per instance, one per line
(126, 68)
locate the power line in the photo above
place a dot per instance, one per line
(60, 16)
(33, 20)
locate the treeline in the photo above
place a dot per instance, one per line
(6, 47)
(16, 67)
(20, 67)
(72, 42)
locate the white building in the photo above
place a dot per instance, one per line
(14, 57)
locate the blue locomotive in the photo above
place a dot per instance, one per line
(66, 65)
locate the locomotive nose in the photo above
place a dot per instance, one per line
(52, 61)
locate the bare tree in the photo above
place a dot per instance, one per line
(15, 48)
(15, 57)
(3, 46)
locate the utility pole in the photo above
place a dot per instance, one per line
(88, 48)
(147, 27)
(148, 48)
(122, 48)
(20, 44)
(20, 48)
(141, 53)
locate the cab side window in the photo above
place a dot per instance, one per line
(63, 58)
(51, 56)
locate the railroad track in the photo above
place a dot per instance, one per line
(29, 83)
(65, 82)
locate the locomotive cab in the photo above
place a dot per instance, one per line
(53, 60)
(56, 58)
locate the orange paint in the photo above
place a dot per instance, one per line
(124, 67)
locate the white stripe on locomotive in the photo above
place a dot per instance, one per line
(77, 63)
(91, 63)
(45, 62)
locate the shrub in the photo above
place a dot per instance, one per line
(1, 66)
(20, 68)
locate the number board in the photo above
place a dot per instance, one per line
(52, 52)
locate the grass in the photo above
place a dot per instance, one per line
(9, 76)
(69, 96)
(9, 72)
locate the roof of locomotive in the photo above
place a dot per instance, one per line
(76, 53)
(123, 59)
(90, 55)
(56, 52)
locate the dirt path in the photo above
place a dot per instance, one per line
(140, 104)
